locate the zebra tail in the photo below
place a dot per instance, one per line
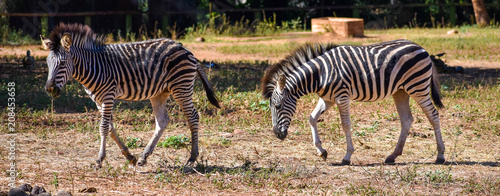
(208, 88)
(435, 89)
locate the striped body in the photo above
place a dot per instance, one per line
(364, 73)
(135, 71)
(153, 69)
(338, 74)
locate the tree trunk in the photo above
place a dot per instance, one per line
(482, 17)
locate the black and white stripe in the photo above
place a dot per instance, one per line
(152, 69)
(338, 74)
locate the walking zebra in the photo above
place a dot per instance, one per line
(342, 73)
(152, 69)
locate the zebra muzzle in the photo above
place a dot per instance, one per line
(280, 133)
(53, 91)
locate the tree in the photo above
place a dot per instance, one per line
(482, 17)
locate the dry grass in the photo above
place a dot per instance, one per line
(239, 153)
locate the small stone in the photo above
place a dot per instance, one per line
(238, 132)
(37, 190)
(200, 39)
(459, 69)
(43, 194)
(17, 192)
(88, 190)
(451, 32)
(226, 135)
(26, 188)
(63, 193)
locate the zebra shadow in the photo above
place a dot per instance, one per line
(247, 168)
(469, 163)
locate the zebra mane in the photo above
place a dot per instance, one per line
(82, 36)
(299, 56)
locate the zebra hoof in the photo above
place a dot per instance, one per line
(324, 155)
(390, 160)
(142, 162)
(191, 161)
(440, 160)
(132, 160)
(98, 164)
(345, 162)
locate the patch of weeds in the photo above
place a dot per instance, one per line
(221, 184)
(223, 141)
(361, 190)
(261, 105)
(439, 176)
(55, 181)
(359, 133)
(163, 177)
(134, 142)
(252, 131)
(486, 186)
(409, 176)
(374, 127)
(391, 117)
(175, 142)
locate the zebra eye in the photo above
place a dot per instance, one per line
(278, 106)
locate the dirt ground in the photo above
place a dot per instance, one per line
(62, 158)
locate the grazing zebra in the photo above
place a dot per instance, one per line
(152, 69)
(338, 74)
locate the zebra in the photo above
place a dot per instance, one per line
(340, 73)
(152, 69)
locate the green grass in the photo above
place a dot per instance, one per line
(470, 43)
(175, 142)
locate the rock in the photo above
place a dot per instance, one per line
(63, 193)
(459, 69)
(37, 190)
(43, 194)
(17, 192)
(200, 39)
(88, 190)
(227, 135)
(451, 32)
(26, 188)
(238, 132)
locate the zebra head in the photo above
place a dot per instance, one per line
(282, 106)
(59, 63)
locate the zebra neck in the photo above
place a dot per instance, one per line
(89, 65)
(302, 82)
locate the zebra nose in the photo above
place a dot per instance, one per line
(280, 133)
(53, 90)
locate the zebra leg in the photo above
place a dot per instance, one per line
(159, 104)
(185, 100)
(402, 100)
(433, 115)
(313, 121)
(120, 144)
(106, 110)
(344, 110)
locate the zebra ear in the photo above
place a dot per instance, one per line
(66, 41)
(281, 81)
(45, 42)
